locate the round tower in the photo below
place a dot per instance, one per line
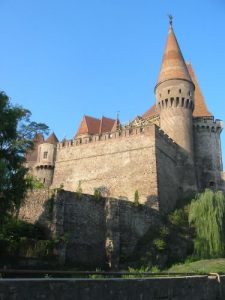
(175, 95)
(46, 160)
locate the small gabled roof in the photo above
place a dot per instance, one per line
(91, 125)
(88, 125)
(106, 124)
(52, 139)
(116, 125)
(150, 112)
(200, 109)
(173, 65)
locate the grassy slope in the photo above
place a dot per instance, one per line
(201, 266)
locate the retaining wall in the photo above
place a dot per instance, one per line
(182, 288)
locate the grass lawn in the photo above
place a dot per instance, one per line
(201, 266)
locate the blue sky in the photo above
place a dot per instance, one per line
(63, 59)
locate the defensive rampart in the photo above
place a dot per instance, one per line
(119, 164)
(99, 231)
(208, 155)
(175, 172)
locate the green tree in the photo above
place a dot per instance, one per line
(207, 214)
(16, 135)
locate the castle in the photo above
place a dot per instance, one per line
(170, 152)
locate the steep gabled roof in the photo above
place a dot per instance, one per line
(200, 109)
(150, 112)
(106, 124)
(173, 65)
(52, 139)
(91, 125)
(116, 125)
(88, 125)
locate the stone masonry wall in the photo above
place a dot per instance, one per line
(176, 172)
(208, 155)
(97, 229)
(118, 166)
(177, 288)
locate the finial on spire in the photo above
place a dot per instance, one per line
(170, 20)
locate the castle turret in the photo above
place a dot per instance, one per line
(46, 160)
(207, 146)
(175, 95)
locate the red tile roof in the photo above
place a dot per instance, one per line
(106, 124)
(90, 125)
(173, 64)
(200, 109)
(52, 139)
(150, 112)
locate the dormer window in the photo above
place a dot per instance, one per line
(45, 154)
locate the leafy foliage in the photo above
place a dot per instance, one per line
(136, 198)
(140, 272)
(22, 239)
(79, 189)
(201, 266)
(159, 244)
(166, 243)
(16, 135)
(97, 194)
(207, 214)
(35, 182)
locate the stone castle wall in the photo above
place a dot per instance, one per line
(144, 160)
(98, 230)
(119, 165)
(175, 170)
(208, 154)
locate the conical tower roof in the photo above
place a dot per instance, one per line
(200, 109)
(173, 65)
(52, 139)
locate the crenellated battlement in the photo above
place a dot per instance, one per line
(125, 132)
(165, 137)
(208, 124)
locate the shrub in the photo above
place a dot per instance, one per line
(136, 198)
(179, 217)
(159, 244)
(79, 189)
(140, 272)
(35, 182)
(97, 194)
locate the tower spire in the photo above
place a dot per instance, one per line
(173, 65)
(170, 20)
(175, 95)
